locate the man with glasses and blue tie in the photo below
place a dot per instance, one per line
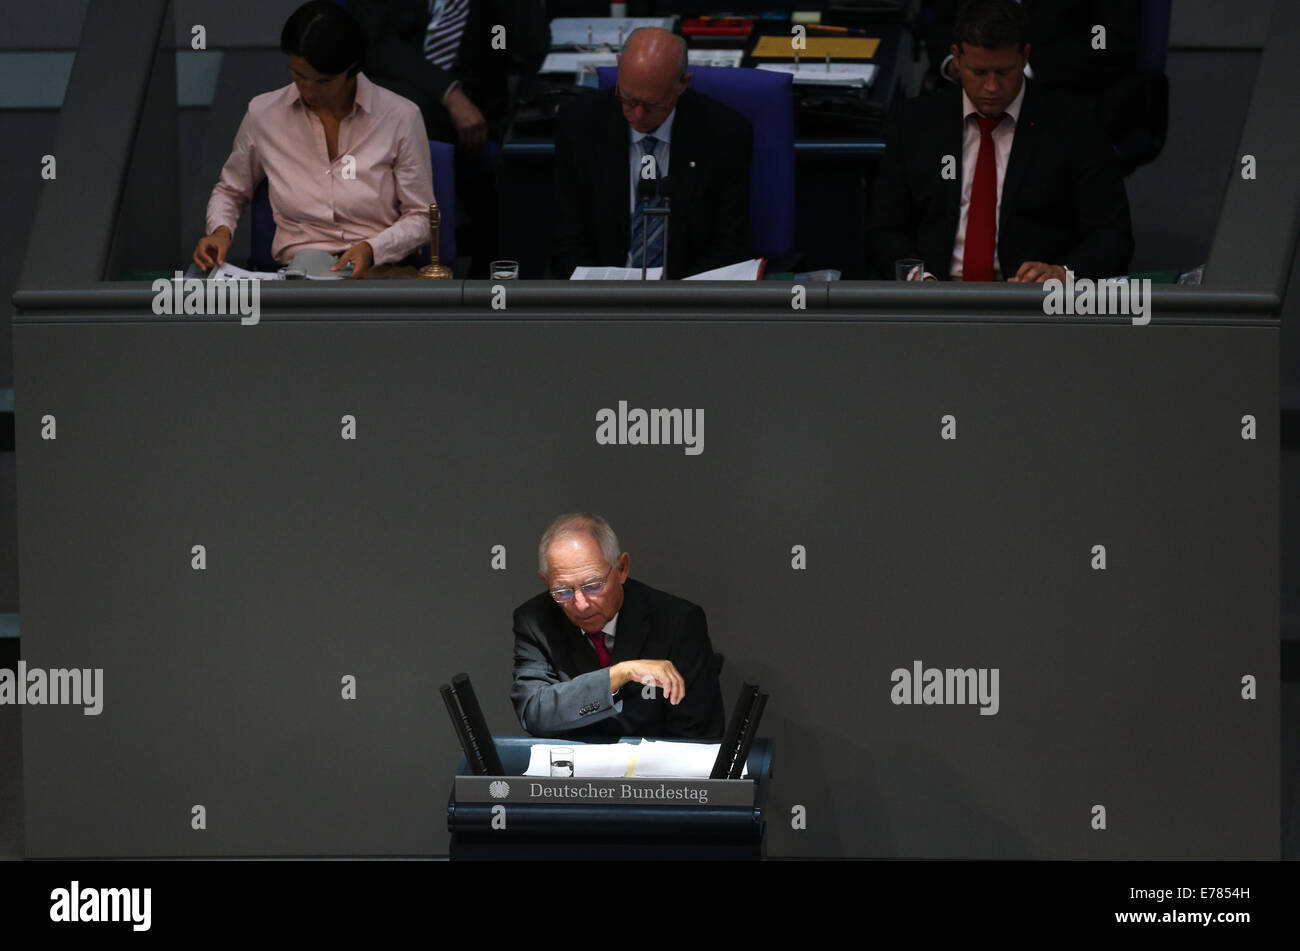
(651, 127)
(599, 655)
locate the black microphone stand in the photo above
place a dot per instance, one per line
(647, 188)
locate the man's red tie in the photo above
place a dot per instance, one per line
(602, 652)
(981, 217)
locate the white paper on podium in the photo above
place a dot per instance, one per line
(592, 761)
(649, 758)
(743, 271)
(581, 273)
(666, 758)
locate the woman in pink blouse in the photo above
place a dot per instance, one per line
(346, 161)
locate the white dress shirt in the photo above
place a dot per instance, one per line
(376, 189)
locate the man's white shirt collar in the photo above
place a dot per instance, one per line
(1013, 110)
(663, 134)
(611, 628)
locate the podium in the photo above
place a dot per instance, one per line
(516, 817)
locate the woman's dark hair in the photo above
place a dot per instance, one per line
(991, 25)
(326, 36)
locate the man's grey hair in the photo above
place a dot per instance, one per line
(685, 62)
(579, 523)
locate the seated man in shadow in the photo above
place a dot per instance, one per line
(599, 655)
(456, 60)
(651, 126)
(999, 178)
(1098, 67)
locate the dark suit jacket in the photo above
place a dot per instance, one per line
(1063, 200)
(560, 689)
(395, 31)
(708, 175)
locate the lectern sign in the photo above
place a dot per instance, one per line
(639, 791)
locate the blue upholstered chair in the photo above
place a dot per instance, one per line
(764, 98)
(442, 154)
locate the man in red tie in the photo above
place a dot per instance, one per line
(999, 179)
(600, 655)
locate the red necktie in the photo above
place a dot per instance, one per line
(602, 652)
(981, 216)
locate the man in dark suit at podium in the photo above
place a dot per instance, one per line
(1000, 178)
(699, 151)
(599, 655)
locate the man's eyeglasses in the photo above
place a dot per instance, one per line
(649, 105)
(589, 590)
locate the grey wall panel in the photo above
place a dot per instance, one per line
(34, 80)
(107, 155)
(52, 25)
(235, 23)
(1291, 337)
(33, 135)
(1208, 23)
(372, 558)
(1175, 201)
(1255, 241)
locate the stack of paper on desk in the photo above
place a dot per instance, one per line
(229, 272)
(814, 73)
(571, 62)
(750, 270)
(588, 31)
(582, 273)
(310, 263)
(649, 758)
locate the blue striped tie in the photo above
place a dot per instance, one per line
(442, 42)
(654, 255)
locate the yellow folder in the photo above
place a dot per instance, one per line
(840, 47)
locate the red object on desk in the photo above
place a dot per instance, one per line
(723, 26)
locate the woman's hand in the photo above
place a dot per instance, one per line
(362, 256)
(211, 249)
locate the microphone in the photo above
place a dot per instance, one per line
(646, 191)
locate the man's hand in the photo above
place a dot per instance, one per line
(661, 673)
(211, 249)
(361, 254)
(471, 127)
(1035, 272)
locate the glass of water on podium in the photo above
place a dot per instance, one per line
(909, 269)
(562, 761)
(504, 270)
